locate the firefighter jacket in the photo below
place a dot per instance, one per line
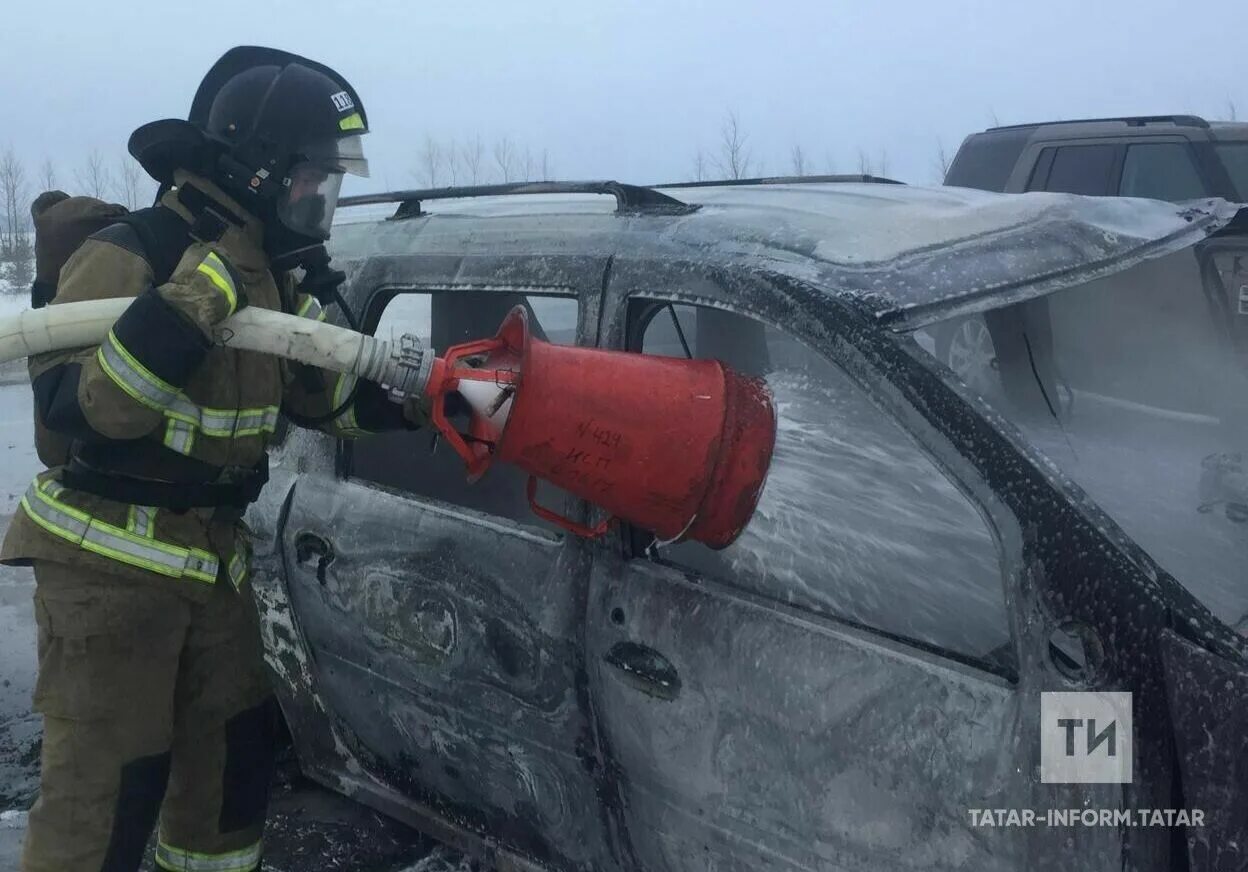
(157, 401)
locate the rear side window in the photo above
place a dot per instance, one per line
(986, 160)
(1161, 171)
(1078, 169)
(856, 521)
(1235, 158)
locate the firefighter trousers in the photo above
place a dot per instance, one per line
(154, 707)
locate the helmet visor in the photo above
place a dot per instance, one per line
(307, 204)
(345, 153)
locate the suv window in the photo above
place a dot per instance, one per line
(856, 521)
(986, 160)
(1161, 171)
(1235, 158)
(1077, 169)
(415, 462)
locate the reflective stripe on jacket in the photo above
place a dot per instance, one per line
(136, 544)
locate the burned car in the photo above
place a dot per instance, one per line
(844, 685)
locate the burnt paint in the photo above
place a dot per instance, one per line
(1077, 573)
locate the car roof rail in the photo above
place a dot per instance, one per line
(1129, 120)
(628, 198)
(782, 180)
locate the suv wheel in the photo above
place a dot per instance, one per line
(965, 346)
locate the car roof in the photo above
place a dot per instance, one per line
(1125, 127)
(910, 255)
(1232, 131)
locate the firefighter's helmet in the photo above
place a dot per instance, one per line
(288, 129)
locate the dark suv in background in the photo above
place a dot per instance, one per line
(1164, 157)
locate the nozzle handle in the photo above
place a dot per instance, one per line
(443, 379)
(577, 529)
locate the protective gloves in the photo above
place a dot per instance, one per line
(205, 287)
(416, 409)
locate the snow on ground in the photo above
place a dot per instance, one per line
(19, 729)
(13, 372)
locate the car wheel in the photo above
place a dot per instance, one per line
(965, 346)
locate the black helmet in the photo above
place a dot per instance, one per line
(288, 129)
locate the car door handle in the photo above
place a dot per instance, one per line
(645, 669)
(310, 545)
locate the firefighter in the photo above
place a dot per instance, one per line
(151, 682)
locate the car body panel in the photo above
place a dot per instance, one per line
(780, 747)
(567, 758)
(1209, 696)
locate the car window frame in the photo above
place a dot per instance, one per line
(1003, 527)
(374, 307)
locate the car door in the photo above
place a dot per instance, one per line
(841, 686)
(442, 619)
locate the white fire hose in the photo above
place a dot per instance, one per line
(402, 365)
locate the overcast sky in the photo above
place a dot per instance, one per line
(632, 90)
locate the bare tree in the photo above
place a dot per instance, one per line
(992, 117)
(941, 164)
(47, 175)
(526, 174)
(734, 159)
(13, 195)
(1232, 112)
(450, 156)
(829, 162)
(471, 154)
(798, 159)
(699, 166)
(129, 183)
(430, 171)
(93, 177)
(505, 158)
(547, 173)
(883, 165)
(864, 163)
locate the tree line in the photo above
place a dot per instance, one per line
(443, 163)
(121, 180)
(731, 156)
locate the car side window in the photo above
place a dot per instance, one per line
(1080, 169)
(415, 462)
(856, 521)
(1161, 171)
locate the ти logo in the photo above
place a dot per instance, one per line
(1086, 738)
(1243, 299)
(342, 101)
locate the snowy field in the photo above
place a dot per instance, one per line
(13, 372)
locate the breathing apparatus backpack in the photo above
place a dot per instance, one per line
(63, 223)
